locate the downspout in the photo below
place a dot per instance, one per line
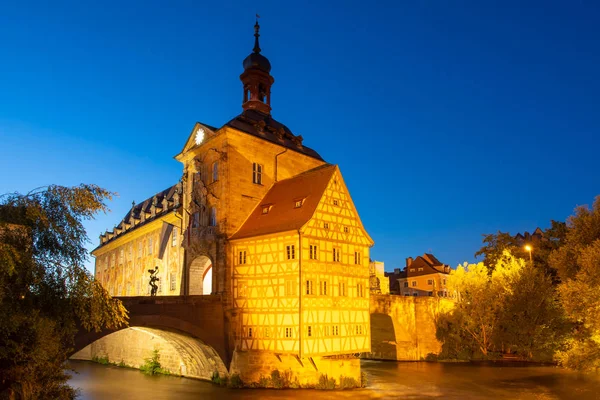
(300, 319)
(277, 155)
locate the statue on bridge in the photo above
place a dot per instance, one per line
(153, 280)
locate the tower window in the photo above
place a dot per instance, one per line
(257, 173)
(215, 171)
(213, 216)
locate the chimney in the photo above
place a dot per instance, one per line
(409, 261)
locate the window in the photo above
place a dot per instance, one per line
(130, 251)
(406, 284)
(213, 216)
(325, 225)
(298, 203)
(407, 293)
(309, 287)
(215, 171)
(149, 245)
(430, 282)
(195, 220)
(346, 229)
(420, 269)
(336, 330)
(359, 329)
(242, 257)
(249, 332)
(414, 283)
(174, 237)
(291, 254)
(173, 281)
(323, 288)
(335, 202)
(313, 252)
(288, 332)
(357, 258)
(336, 254)
(265, 209)
(360, 291)
(440, 293)
(267, 332)
(412, 270)
(444, 281)
(415, 294)
(342, 288)
(429, 294)
(121, 256)
(290, 287)
(257, 173)
(309, 330)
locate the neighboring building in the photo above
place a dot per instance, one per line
(379, 283)
(263, 221)
(531, 238)
(423, 276)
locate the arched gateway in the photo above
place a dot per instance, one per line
(200, 281)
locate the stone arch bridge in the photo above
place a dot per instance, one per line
(190, 331)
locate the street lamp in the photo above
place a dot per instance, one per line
(529, 248)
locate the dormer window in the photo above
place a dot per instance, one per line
(298, 203)
(266, 208)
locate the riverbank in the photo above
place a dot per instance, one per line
(386, 380)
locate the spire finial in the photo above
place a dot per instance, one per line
(256, 35)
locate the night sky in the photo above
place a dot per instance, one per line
(448, 119)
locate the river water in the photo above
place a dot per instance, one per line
(387, 380)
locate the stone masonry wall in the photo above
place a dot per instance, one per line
(252, 365)
(403, 327)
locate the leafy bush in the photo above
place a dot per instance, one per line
(276, 379)
(347, 382)
(101, 360)
(152, 365)
(363, 379)
(431, 357)
(235, 382)
(325, 383)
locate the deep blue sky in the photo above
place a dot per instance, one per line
(448, 119)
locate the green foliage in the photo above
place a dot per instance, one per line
(578, 265)
(264, 382)
(152, 365)
(325, 383)
(46, 293)
(235, 382)
(348, 382)
(276, 379)
(511, 309)
(219, 380)
(101, 360)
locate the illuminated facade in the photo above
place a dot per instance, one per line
(265, 222)
(423, 276)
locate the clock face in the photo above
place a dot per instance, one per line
(199, 135)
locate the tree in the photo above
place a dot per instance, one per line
(578, 265)
(45, 291)
(496, 243)
(510, 309)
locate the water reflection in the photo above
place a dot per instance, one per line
(387, 380)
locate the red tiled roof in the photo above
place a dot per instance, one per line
(283, 216)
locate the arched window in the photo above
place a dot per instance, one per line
(213, 216)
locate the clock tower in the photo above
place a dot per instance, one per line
(257, 79)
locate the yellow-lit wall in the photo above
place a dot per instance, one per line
(380, 284)
(122, 264)
(323, 302)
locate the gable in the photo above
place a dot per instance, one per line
(282, 214)
(337, 209)
(209, 131)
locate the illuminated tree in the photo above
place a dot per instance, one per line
(46, 294)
